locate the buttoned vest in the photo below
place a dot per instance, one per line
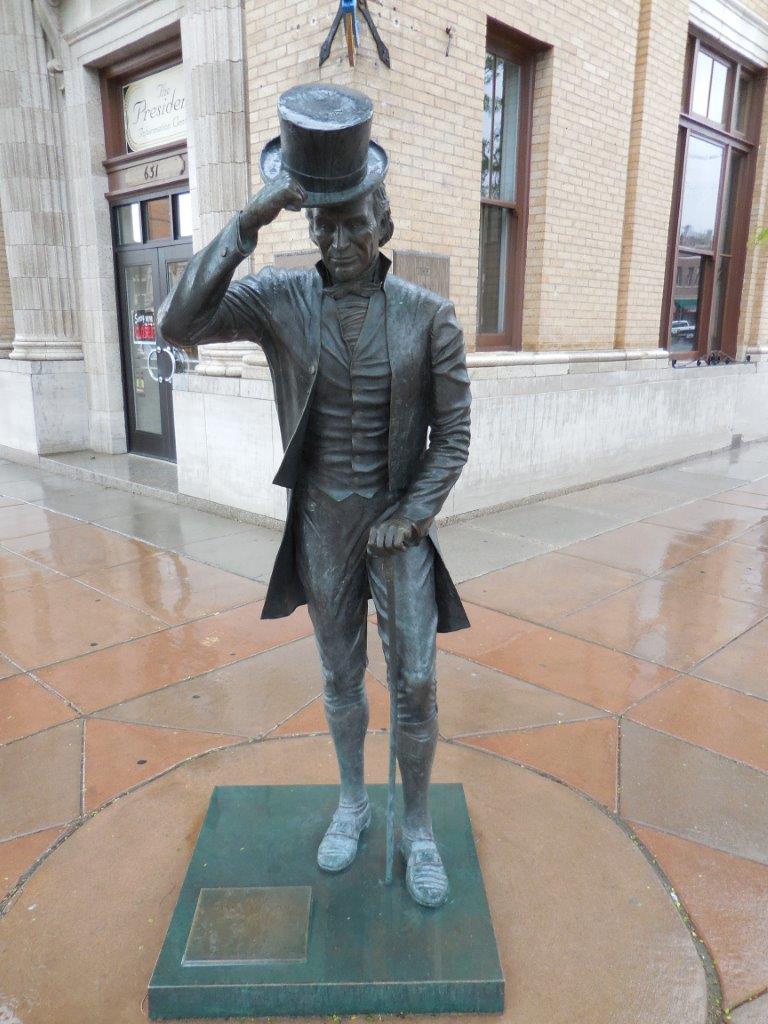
(347, 441)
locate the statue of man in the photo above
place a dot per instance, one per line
(373, 399)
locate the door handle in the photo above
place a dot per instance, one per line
(152, 367)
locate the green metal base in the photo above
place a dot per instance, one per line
(259, 930)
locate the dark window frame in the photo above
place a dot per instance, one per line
(523, 50)
(734, 142)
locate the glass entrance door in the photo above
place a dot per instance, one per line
(148, 267)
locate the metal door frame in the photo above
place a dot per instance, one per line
(156, 254)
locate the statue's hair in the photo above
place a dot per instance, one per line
(381, 211)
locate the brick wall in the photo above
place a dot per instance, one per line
(606, 108)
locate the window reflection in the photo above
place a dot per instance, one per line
(701, 187)
(501, 118)
(183, 215)
(158, 214)
(701, 79)
(129, 224)
(710, 85)
(493, 269)
(683, 329)
(717, 92)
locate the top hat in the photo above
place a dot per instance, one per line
(324, 144)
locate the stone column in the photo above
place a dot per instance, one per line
(6, 307)
(212, 43)
(32, 192)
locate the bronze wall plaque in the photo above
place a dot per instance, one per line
(256, 925)
(305, 259)
(427, 269)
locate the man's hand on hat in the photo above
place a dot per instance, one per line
(395, 534)
(282, 194)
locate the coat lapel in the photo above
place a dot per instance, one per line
(306, 373)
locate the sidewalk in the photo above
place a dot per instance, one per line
(607, 714)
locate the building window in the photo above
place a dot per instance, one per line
(719, 129)
(507, 100)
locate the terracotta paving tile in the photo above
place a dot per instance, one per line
(743, 496)
(727, 899)
(661, 621)
(579, 669)
(488, 629)
(641, 548)
(22, 520)
(586, 932)
(756, 537)
(712, 519)
(18, 855)
(546, 587)
(742, 664)
(63, 619)
(6, 668)
(733, 570)
(247, 698)
(311, 719)
(582, 754)
(120, 755)
(474, 699)
(690, 792)
(40, 780)
(753, 1012)
(128, 670)
(721, 720)
(175, 588)
(25, 707)
(79, 549)
(17, 573)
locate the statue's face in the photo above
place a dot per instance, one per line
(347, 237)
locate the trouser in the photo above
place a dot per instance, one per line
(337, 572)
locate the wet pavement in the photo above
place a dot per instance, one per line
(607, 714)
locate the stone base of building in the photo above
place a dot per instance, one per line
(43, 406)
(542, 423)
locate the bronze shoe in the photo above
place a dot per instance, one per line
(338, 846)
(425, 875)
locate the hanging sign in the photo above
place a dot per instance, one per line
(154, 110)
(143, 325)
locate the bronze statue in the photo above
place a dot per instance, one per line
(373, 399)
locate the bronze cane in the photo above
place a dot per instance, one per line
(389, 570)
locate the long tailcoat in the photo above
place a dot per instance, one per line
(429, 411)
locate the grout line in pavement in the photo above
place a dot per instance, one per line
(714, 989)
(187, 679)
(85, 816)
(82, 766)
(700, 746)
(618, 777)
(532, 728)
(652, 693)
(293, 714)
(696, 842)
(99, 716)
(45, 686)
(750, 999)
